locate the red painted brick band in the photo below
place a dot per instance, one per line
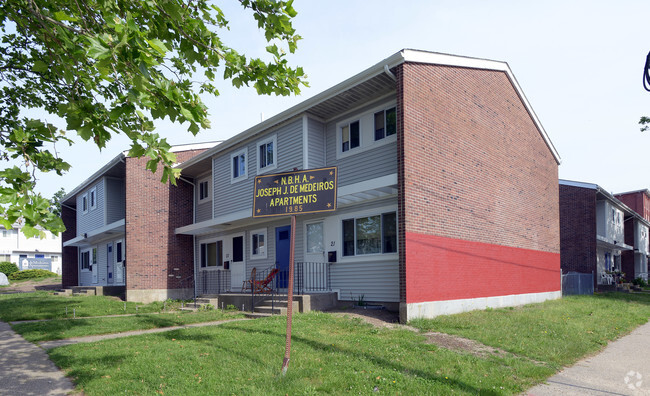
(440, 268)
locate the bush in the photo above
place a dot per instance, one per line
(640, 282)
(8, 268)
(32, 274)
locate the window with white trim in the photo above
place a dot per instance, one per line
(92, 197)
(84, 260)
(211, 254)
(314, 237)
(258, 244)
(370, 235)
(238, 166)
(267, 154)
(84, 203)
(5, 257)
(385, 123)
(204, 190)
(350, 136)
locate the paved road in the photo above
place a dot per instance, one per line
(25, 369)
(623, 368)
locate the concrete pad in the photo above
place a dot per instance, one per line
(25, 369)
(623, 368)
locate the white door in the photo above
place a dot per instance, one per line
(119, 262)
(236, 257)
(314, 267)
(93, 264)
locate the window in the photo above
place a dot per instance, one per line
(94, 258)
(85, 260)
(93, 198)
(204, 190)
(266, 154)
(5, 257)
(55, 259)
(385, 123)
(5, 233)
(39, 256)
(118, 251)
(84, 203)
(370, 235)
(239, 168)
(315, 238)
(258, 244)
(350, 137)
(212, 254)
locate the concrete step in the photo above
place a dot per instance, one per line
(255, 315)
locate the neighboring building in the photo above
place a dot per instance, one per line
(124, 211)
(20, 250)
(637, 260)
(600, 234)
(447, 190)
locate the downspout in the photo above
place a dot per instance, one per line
(389, 73)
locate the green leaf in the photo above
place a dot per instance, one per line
(40, 66)
(159, 46)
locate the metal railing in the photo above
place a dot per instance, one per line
(213, 282)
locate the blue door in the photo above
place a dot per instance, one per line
(282, 250)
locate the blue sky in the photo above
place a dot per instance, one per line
(579, 63)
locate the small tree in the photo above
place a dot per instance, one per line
(115, 66)
(8, 268)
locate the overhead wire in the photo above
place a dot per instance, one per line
(646, 73)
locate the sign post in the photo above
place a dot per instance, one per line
(292, 193)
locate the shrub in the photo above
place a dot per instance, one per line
(8, 268)
(32, 274)
(640, 282)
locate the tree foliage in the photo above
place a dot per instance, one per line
(115, 66)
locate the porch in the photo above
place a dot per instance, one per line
(312, 289)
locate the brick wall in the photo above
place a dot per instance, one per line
(69, 254)
(472, 167)
(156, 257)
(578, 229)
(637, 201)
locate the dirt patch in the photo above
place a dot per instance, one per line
(32, 286)
(456, 343)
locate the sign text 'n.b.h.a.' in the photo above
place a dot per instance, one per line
(298, 192)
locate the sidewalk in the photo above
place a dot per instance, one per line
(25, 369)
(623, 368)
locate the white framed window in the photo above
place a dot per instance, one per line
(385, 123)
(267, 154)
(258, 244)
(84, 260)
(314, 237)
(84, 203)
(92, 198)
(238, 166)
(204, 190)
(6, 233)
(350, 136)
(375, 234)
(5, 257)
(211, 254)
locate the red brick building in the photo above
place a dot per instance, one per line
(123, 212)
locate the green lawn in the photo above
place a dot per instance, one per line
(59, 329)
(45, 305)
(329, 355)
(336, 355)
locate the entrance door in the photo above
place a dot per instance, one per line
(93, 264)
(119, 262)
(282, 250)
(237, 264)
(109, 262)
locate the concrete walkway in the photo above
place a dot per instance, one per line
(95, 338)
(623, 368)
(25, 369)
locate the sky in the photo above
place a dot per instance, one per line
(579, 63)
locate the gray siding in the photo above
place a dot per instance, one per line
(94, 218)
(233, 197)
(204, 208)
(115, 200)
(316, 143)
(368, 164)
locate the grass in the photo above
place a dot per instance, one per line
(65, 328)
(555, 332)
(337, 355)
(55, 279)
(329, 355)
(45, 305)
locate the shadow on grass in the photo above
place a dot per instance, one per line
(320, 346)
(640, 298)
